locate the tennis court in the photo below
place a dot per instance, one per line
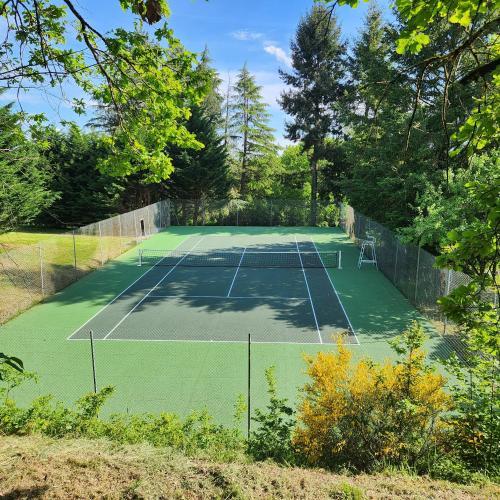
(172, 334)
(218, 288)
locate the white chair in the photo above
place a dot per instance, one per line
(369, 243)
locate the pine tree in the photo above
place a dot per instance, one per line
(24, 190)
(370, 64)
(375, 115)
(317, 84)
(202, 174)
(249, 126)
(85, 194)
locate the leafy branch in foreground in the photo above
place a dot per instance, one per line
(11, 361)
(145, 80)
(473, 60)
(474, 307)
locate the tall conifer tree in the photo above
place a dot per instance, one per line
(316, 85)
(250, 126)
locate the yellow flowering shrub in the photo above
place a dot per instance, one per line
(362, 415)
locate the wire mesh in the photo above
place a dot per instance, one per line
(30, 273)
(256, 212)
(410, 268)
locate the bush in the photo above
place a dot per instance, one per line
(346, 491)
(196, 434)
(273, 437)
(361, 416)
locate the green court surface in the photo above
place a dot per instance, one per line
(173, 337)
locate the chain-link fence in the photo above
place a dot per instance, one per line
(257, 212)
(29, 273)
(410, 268)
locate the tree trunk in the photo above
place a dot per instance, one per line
(184, 208)
(196, 211)
(314, 188)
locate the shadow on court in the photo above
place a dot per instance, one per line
(274, 304)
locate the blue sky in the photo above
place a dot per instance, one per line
(256, 32)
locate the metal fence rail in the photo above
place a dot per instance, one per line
(30, 273)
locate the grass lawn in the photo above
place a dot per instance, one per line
(34, 264)
(28, 236)
(34, 466)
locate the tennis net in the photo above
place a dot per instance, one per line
(149, 257)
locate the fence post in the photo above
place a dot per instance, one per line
(149, 219)
(168, 221)
(92, 354)
(271, 213)
(446, 292)
(396, 262)
(416, 276)
(237, 216)
(40, 256)
(100, 243)
(249, 385)
(120, 232)
(74, 251)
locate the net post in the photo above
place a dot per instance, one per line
(249, 384)
(140, 257)
(340, 259)
(92, 354)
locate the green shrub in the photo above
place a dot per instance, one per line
(346, 491)
(273, 437)
(196, 434)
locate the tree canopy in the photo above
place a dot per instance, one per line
(144, 78)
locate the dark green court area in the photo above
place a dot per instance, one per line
(277, 289)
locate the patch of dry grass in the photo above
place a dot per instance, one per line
(37, 467)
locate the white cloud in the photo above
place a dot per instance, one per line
(278, 53)
(246, 35)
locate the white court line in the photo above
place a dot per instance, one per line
(236, 273)
(309, 292)
(151, 290)
(192, 341)
(119, 295)
(335, 290)
(224, 297)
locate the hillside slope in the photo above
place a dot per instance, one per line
(36, 467)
